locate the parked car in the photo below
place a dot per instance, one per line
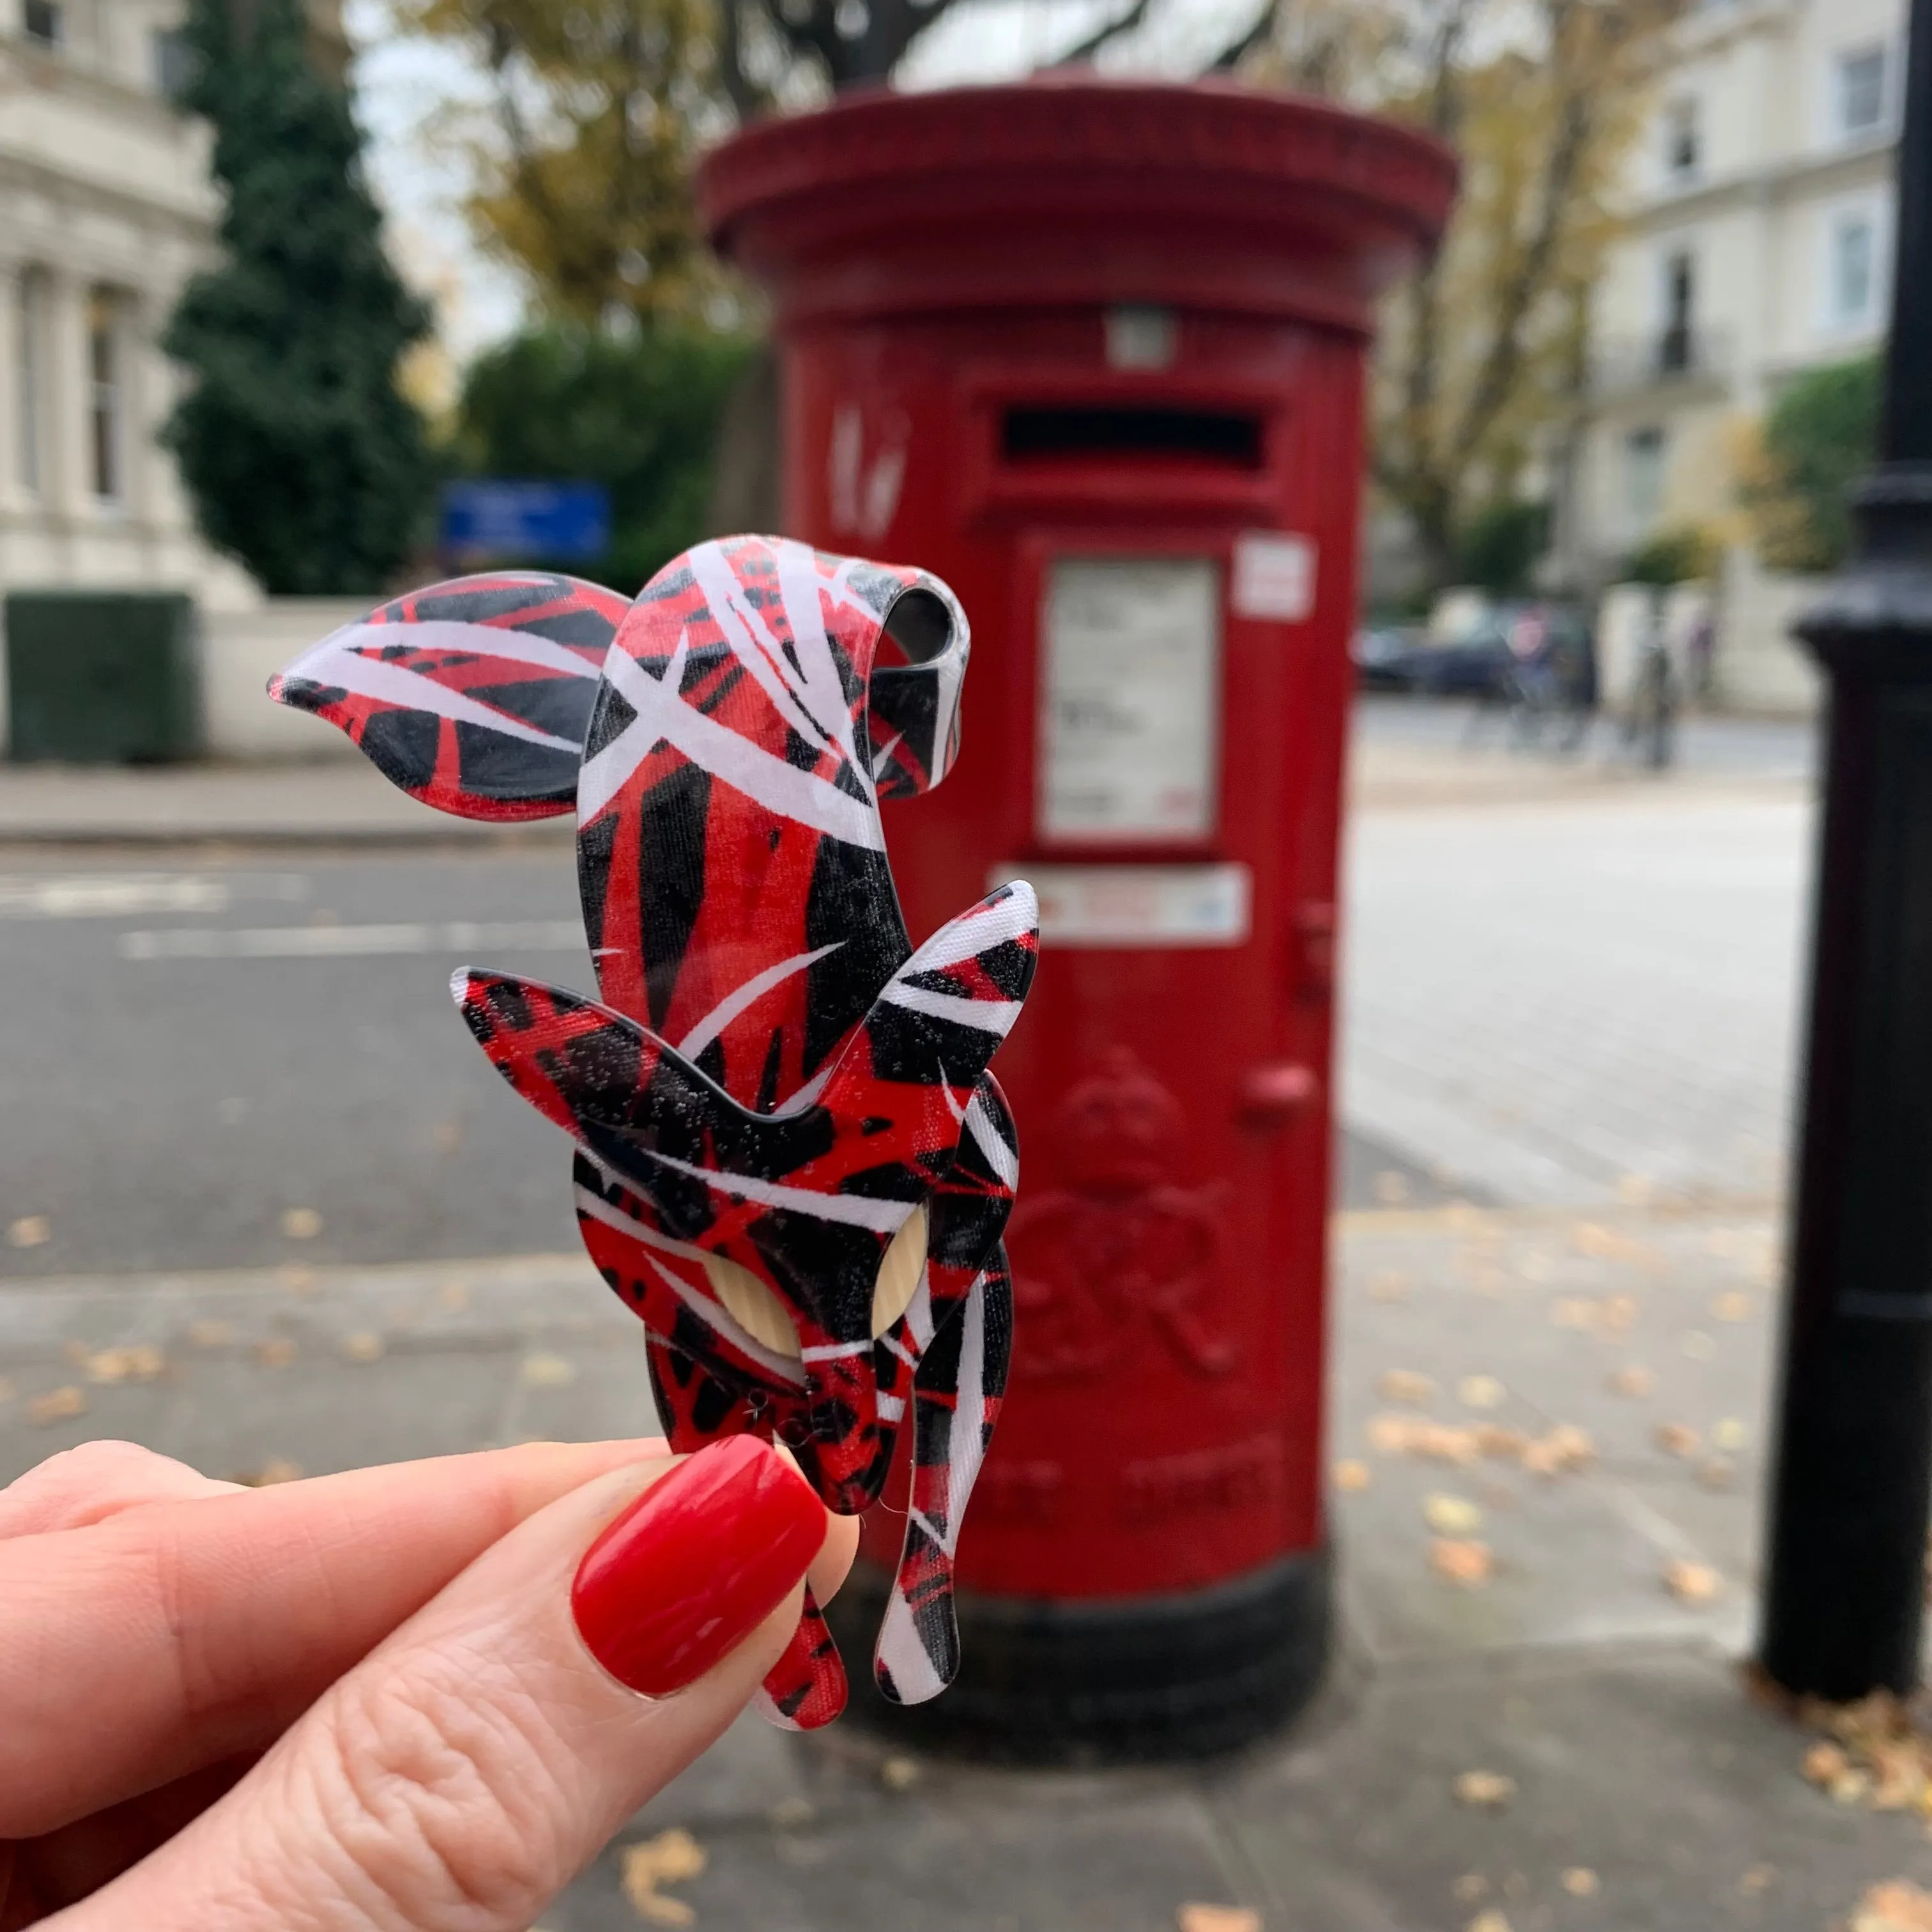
(1385, 657)
(1484, 659)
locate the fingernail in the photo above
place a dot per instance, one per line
(695, 1565)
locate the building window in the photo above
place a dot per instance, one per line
(1676, 343)
(30, 384)
(41, 21)
(172, 58)
(1683, 150)
(106, 396)
(1851, 289)
(1644, 451)
(1861, 92)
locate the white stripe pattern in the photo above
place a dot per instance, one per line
(728, 1009)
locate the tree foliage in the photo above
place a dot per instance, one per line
(1680, 553)
(636, 411)
(1484, 355)
(1819, 437)
(301, 456)
(1497, 549)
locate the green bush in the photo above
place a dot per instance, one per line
(1819, 438)
(638, 413)
(299, 453)
(1682, 554)
(1499, 547)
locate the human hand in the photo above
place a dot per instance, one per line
(369, 1703)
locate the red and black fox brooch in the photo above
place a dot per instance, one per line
(790, 1160)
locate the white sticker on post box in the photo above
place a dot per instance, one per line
(1274, 577)
(1138, 905)
(1129, 699)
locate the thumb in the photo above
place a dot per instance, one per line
(459, 1777)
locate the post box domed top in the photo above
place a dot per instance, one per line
(1074, 189)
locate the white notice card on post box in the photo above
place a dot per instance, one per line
(1130, 651)
(1274, 576)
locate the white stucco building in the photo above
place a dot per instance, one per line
(1758, 244)
(105, 208)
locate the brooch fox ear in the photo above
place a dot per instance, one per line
(913, 705)
(473, 695)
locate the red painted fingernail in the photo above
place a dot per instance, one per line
(695, 1565)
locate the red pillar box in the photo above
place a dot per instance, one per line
(1093, 353)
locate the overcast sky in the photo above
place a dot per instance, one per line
(412, 95)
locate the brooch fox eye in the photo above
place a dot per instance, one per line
(899, 1271)
(753, 1305)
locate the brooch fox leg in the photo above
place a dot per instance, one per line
(806, 1687)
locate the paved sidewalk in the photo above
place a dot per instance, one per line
(332, 801)
(1563, 1411)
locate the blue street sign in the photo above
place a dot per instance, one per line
(505, 519)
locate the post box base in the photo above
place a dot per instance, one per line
(1157, 1678)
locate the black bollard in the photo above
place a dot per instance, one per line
(1846, 1577)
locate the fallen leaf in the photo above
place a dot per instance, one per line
(1580, 1882)
(548, 1372)
(1632, 1380)
(1565, 1448)
(1573, 1311)
(1728, 1434)
(1350, 1476)
(671, 1858)
(1678, 1439)
(1388, 1435)
(363, 1346)
(1620, 1312)
(30, 1231)
(1691, 1582)
(75, 1353)
(1217, 1918)
(1451, 1516)
(1484, 1790)
(899, 1774)
(276, 1351)
(1756, 1880)
(1492, 1440)
(1470, 1887)
(1461, 1561)
(1490, 1919)
(1698, 1345)
(276, 1469)
(1633, 1190)
(210, 1334)
(58, 1405)
(1405, 1385)
(1824, 1762)
(1896, 1905)
(1391, 1189)
(300, 1224)
(141, 1362)
(453, 1295)
(298, 1277)
(1717, 1473)
(788, 1813)
(1481, 1392)
(1732, 1307)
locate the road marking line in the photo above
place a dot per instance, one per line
(339, 942)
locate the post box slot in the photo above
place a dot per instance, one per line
(1032, 434)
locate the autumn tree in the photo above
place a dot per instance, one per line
(1484, 356)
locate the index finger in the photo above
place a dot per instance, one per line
(135, 1650)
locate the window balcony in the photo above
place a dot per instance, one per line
(1681, 354)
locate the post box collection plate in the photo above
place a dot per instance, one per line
(790, 1160)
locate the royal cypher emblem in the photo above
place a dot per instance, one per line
(790, 1160)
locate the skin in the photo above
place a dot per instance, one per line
(355, 1704)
